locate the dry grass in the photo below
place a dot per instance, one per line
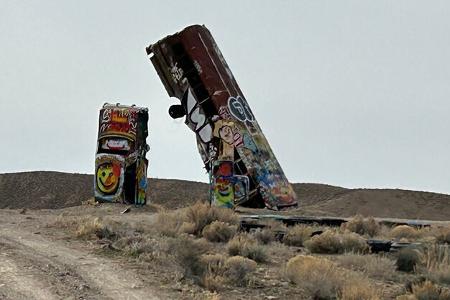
(247, 246)
(362, 226)
(443, 235)
(274, 225)
(436, 260)
(168, 223)
(298, 235)
(429, 291)
(219, 231)
(213, 279)
(322, 279)
(202, 214)
(94, 228)
(407, 260)
(332, 242)
(405, 232)
(187, 253)
(358, 290)
(264, 236)
(373, 266)
(238, 270)
(193, 219)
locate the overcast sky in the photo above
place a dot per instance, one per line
(350, 93)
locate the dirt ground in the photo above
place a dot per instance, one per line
(38, 262)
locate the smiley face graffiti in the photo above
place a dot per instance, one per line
(108, 176)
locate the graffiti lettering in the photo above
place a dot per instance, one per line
(196, 119)
(177, 73)
(239, 109)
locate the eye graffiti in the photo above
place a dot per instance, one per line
(108, 176)
(239, 109)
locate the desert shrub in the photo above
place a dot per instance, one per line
(362, 226)
(192, 220)
(219, 231)
(274, 225)
(202, 214)
(358, 290)
(322, 279)
(213, 279)
(94, 227)
(429, 291)
(352, 242)
(67, 222)
(264, 236)
(238, 270)
(318, 276)
(404, 232)
(244, 245)
(436, 259)
(297, 235)
(407, 260)
(187, 227)
(406, 297)
(187, 253)
(167, 223)
(443, 235)
(332, 242)
(374, 266)
(212, 282)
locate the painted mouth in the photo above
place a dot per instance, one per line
(106, 184)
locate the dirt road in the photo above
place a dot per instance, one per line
(34, 265)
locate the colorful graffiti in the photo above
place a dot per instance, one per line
(193, 69)
(222, 185)
(109, 176)
(121, 165)
(118, 121)
(142, 184)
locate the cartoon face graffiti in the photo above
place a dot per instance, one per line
(224, 193)
(108, 176)
(226, 134)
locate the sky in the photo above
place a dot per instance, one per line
(349, 93)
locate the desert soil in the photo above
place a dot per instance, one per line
(38, 262)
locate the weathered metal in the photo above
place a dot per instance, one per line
(193, 70)
(120, 162)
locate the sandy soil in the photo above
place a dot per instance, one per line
(38, 263)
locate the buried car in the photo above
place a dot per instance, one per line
(242, 167)
(120, 162)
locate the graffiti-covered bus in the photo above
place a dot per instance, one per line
(120, 162)
(242, 166)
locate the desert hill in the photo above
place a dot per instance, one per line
(52, 190)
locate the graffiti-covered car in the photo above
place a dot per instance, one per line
(243, 169)
(120, 162)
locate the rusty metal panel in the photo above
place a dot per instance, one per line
(193, 69)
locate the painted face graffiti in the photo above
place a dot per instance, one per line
(224, 194)
(108, 175)
(239, 109)
(226, 134)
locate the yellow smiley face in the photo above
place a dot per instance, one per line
(108, 178)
